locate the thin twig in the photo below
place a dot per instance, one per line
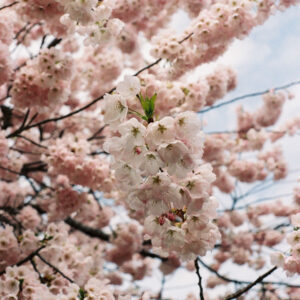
(31, 141)
(248, 96)
(9, 170)
(15, 133)
(163, 282)
(24, 152)
(27, 259)
(248, 287)
(146, 253)
(54, 268)
(26, 33)
(43, 41)
(199, 278)
(21, 30)
(242, 281)
(36, 270)
(94, 136)
(9, 5)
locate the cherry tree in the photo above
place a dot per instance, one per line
(108, 175)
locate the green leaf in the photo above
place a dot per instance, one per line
(82, 294)
(148, 105)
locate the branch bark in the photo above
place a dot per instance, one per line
(91, 232)
(199, 279)
(54, 268)
(242, 281)
(9, 5)
(27, 259)
(251, 285)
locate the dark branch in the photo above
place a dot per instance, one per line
(9, 5)
(26, 33)
(13, 134)
(147, 67)
(36, 270)
(43, 41)
(242, 281)
(38, 166)
(54, 268)
(96, 233)
(7, 116)
(95, 135)
(27, 259)
(91, 232)
(54, 43)
(199, 278)
(146, 253)
(248, 287)
(31, 141)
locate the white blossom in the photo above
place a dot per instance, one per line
(129, 87)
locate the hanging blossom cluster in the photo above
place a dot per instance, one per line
(159, 171)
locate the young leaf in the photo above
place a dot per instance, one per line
(148, 105)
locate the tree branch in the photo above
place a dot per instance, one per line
(248, 287)
(146, 253)
(199, 278)
(248, 96)
(9, 5)
(242, 281)
(36, 270)
(54, 268)
(54, 42)
(96, 233)
(91, 232)
(31, 141)
(94, 136)
(26, 259)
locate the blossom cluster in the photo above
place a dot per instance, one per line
(94, 20)
(44, 82)
(265, 116)
(159, 171)
(105, 183)
(178, 96)
(69, 157)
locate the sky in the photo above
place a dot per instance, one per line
(267, 58)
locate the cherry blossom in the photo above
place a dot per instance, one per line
(113, 171)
